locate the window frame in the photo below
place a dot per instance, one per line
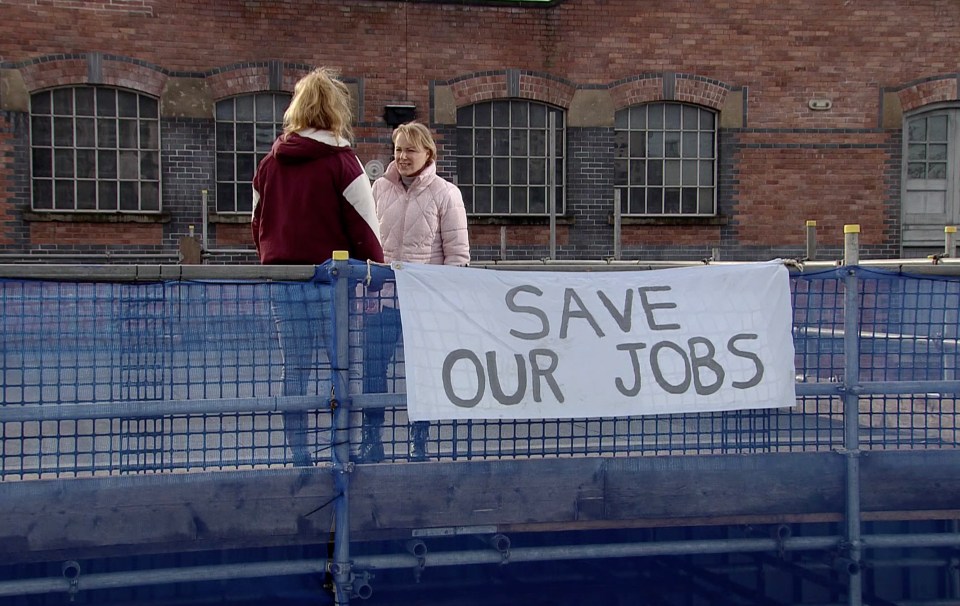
(921, 226)
(95, 138)
(634, 169)
(514, 127)
(239, 189)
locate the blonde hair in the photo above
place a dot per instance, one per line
(419, 136)
(321, 101)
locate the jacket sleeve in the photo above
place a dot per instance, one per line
(377, 189)
(453, 228)
(362, 224)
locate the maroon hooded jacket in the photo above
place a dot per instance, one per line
(310, 198)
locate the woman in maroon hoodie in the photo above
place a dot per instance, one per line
(311, 197)
(310, 193)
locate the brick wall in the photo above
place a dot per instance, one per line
(590, 195)
(14, 181)
(188, 169)
(758, 63)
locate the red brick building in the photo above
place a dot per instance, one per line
(720, 126)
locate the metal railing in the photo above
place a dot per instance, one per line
(114, 370)
(136, 369)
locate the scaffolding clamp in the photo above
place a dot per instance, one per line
(501, 543)
(360, 585)
(418, 549)
(339, 569)
(71, 572)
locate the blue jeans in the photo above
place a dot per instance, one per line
(382, 332)
(302, 313)
(381, 336)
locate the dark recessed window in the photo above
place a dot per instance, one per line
(506, 164)
(665, 160)
(246, 128)
(95, 149)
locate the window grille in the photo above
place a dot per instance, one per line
(927, 146)
(665, 160)
(503, 155)
(246, 129)
(931, 190)
(95, 149)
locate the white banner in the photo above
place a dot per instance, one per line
(491, 344)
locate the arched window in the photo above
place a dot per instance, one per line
(931, 198)
(503, 156)
(665, 160)
(95, 149)
(246, 128)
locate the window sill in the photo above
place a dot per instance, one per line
(519, 220)
(237, 219)
(95, 217)
(661, 221)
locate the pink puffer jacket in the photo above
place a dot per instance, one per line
(426, 223)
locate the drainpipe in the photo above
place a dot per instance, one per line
(552, 181)
(617, 215)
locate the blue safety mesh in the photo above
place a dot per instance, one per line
(112, 378)
(140, 348)
(909, 332)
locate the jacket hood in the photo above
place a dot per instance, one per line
(307, 145)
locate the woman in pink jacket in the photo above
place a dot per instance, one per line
(422, 220)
